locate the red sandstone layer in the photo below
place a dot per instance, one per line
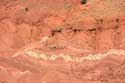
(62, 41)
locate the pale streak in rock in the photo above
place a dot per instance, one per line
(67, 57)
(53, 57)
(43, 56)
(44, 39)
(76, 49)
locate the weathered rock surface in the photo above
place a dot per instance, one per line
(62, 41)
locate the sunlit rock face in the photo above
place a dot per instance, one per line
(62, 41)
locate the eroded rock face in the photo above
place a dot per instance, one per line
(62, 41)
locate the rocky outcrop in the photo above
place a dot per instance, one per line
(62, 41)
